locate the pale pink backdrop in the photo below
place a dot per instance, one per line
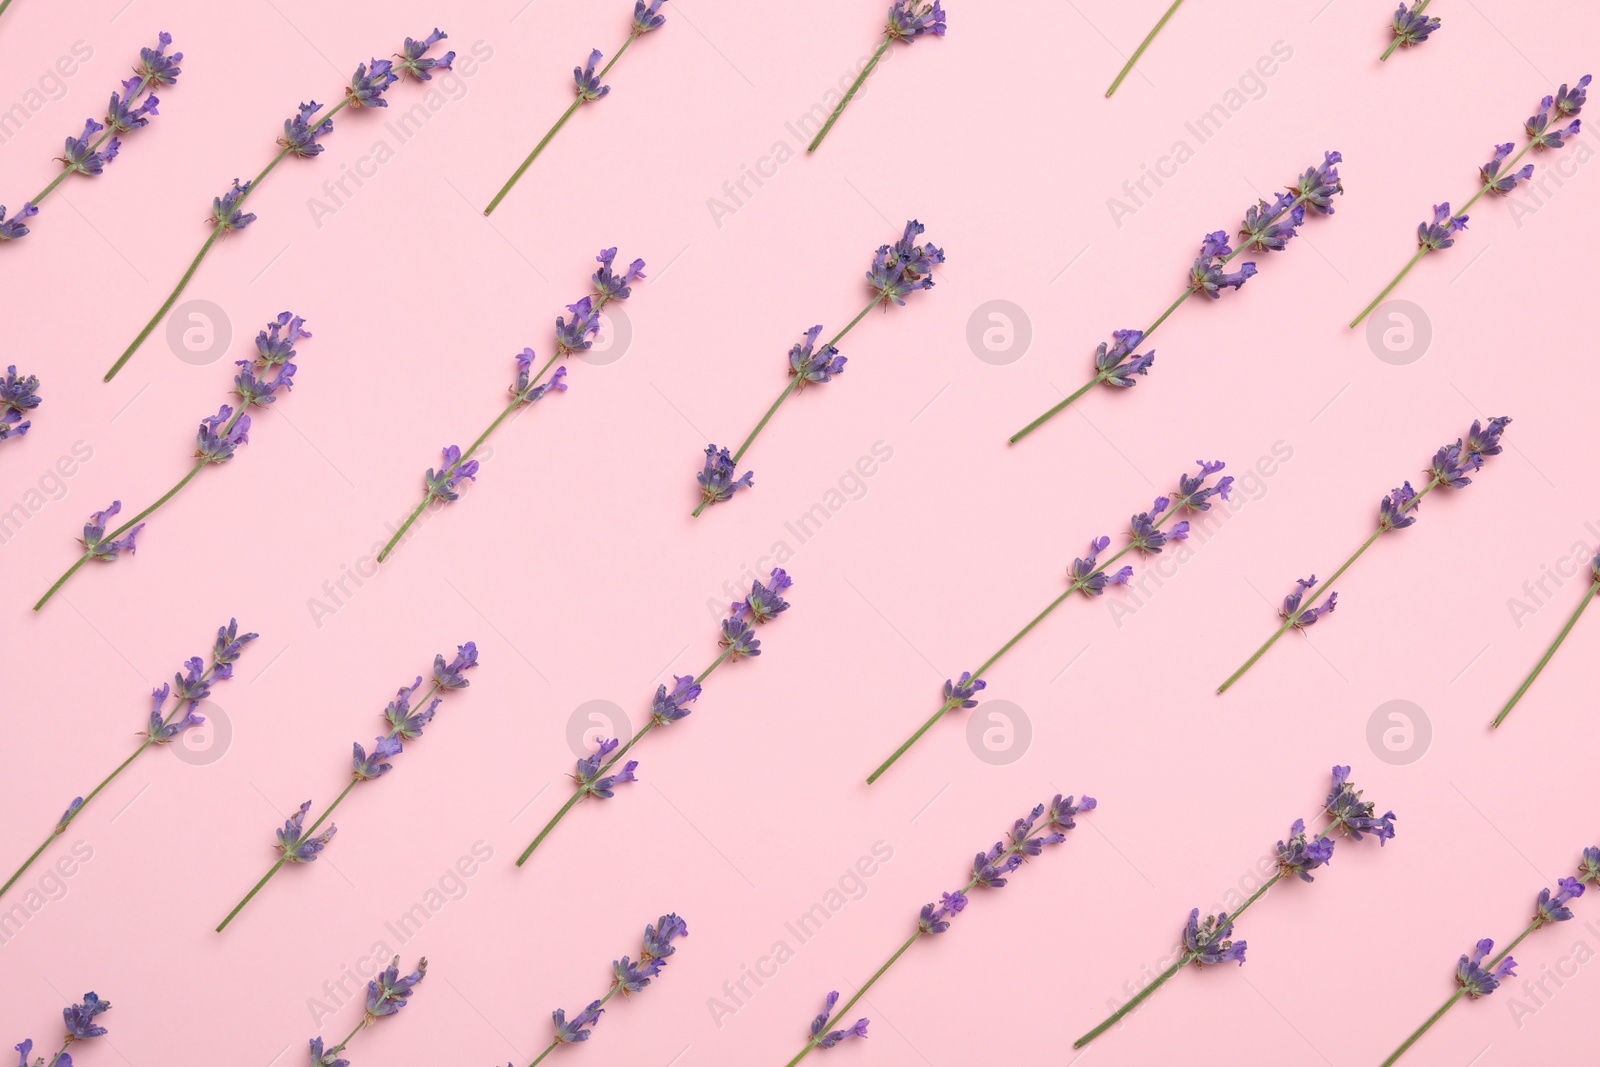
(574, 565)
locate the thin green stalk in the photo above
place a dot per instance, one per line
(1544, 661)
(1387, 52)
(1327, 587)
(562, 121)
(340, 1047)
(794, 382)
(839, 110)
(1138, 998)
(554, 1044)
(3, 5)
(944, 709)
(638, 735)
(1137, 52)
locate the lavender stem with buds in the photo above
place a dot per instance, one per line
(190, 688)
(1450, 467)
(1127, 67)
(387, 994)
(1411, 27)
(1089, 577)
(908, 20)
(301, 844)
(81, 1018)
(19, 394)
(1544, 661)
(1266, 228)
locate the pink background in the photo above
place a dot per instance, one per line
(575, 567)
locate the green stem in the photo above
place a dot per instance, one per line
(1549, 652)
(1419, 1031)
(1415, 259)
(540, 1058)
(1387, 52)
(1073, 587)
(879, 973)
(3, 5)
(1137, 52)
(1327, 587)
(839, 110)
(340, 1047)
(1138, 998)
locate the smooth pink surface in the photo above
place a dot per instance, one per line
(575, 567)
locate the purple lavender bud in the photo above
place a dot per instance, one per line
(1496, 182)
(1207, 275)
(18, 393)
(739, 638)
(225, 213)
(94, 535)
(1542, 134)
(160, 731)
(612, 286)
(1345, 806)
(929, 921)
(367, 767)
(588, 777)
(194, 685)
(1570, 101)
(81, 155)
(716, 478)
(325, 1059)
(296, 846)
(442, 484)
(631, 977)
(1477, 982)
(765, 602)
(1088, 578)
(576, 335)
(1450, 469)
(667, 708)
(1301, 855)
(568, 1032)
(452, 675)
(13, 228)
(528, 393)
(1301, 618)
(658, 937)
(1318, 185)
(1589, 865)
(1116, 365)
(68, 815)
(414, 61)
(588, 82)
(217, 441)
(910, 19)
(1483, 441)
(1397, 510)
(390, 991)
(1438, 234)
(1144, 535)
(1208, 943)
(13, 425)
(1064, 812)
(1193, 495)
(990, 868)
(403, 722)
(1268, 228)
(300, 133)
(959, 693)
(818, 367)
(155, 66)
(367, 87)
(905, 266)
(122, 116)
(257, 391)
(1412, 27)
(831, 1038)
(80, 1018)
(275, 342)
(1553, 908)
(645, 18)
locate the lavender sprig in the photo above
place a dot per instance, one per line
(897, 271)
(627, 977)
(587, 83)
(406, 717)
(256, 385)
(186, 691)
(1449, 468)
(1209, 942)
(389, 992)
(19, 394)
(571, 337)
(1127, 67)
(738, 641)
(908, 20)
(81, 1019)
(991, 869)
(1265, 228)
(1411, 27)
(1499, 176)
(1544, 661)
(1480, 974)
(129, 110)
(300, 139)
(1148, 532)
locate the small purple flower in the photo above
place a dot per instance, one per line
(122, 116)
(219, 438)
(1490, 174)
(1542, 134)
(13, 228)
(716, 478)
(1268, 228)
(668, 707)
(452, 675)
(228, 647)
(442, 483)
(1301, 855)
(1450, 469)
(194, 685)
(1438, 233)
(160, 731)
(413, 58)
(94, 538)
(765, 602)
(275, 342)
(13, 425)
(367, 767)
(390, 991)
(575, 336)
(1474, 979)
(1063, 811)
(588, 777)
(658, 936)
(225, 212)
(610, 285)
(959, 693)
(1090, 578)
(1208, 942)
(1318, 185)
(296, 846)
(568, 1032)
(645, 18)
(80, 1017)
(819, 367)
(1553, 908)
(1571, 101)
(528, 393)
(155, 66)
(1412, 27)
(588, 82)
(1348, 811)
(1398, 509)
(1194, 495)
(1589, 865)
(1302, 617)
(258, 391)
(1117, 365)
(1146, 536)
(910, 19)
(18, 393)
(300, 133)
(367, 86)
(403, 722)
(905, 266)
(630, 977)
(990, 868)
(320, 1058)
(935, 918)
(1207, 275)
(739, 638)
(70, 814)
(821, 1037)
(1483, 441)
(83, 157)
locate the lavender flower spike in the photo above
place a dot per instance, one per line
(18, 396)
(588, 88)
(404, 720)
(598, 774)
(387, 993)
(1411, 27)
(164, 724)
(218, 438)
(80, 1018)
(1544, 661)
(1029, 837)
(909, 20)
